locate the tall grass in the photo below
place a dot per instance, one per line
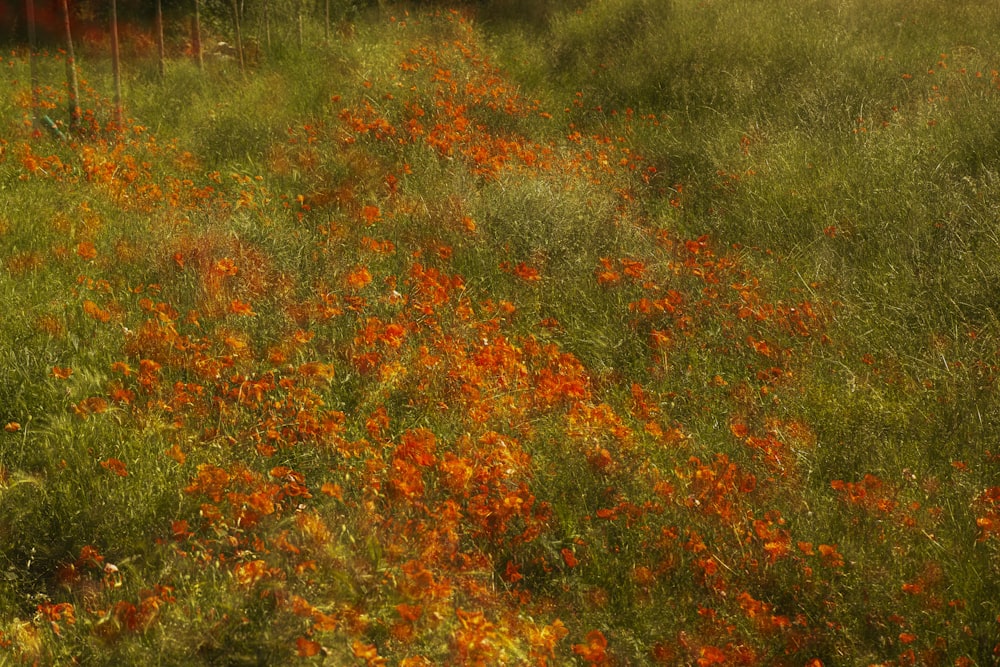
(636, 332)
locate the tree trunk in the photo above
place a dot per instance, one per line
(160, 49)
(71, 80)
(196, 34)
(326, 20)
(116, 65)
(32, 65)
(239, 36)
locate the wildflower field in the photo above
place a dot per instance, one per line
(621, 332)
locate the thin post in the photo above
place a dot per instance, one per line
(160, 48)
(71, 80)
(239, 35)
(116, 66)
(267, 24)
(32, 65)
(196, 34)
(298, 20)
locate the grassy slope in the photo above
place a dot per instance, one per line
(661, 343)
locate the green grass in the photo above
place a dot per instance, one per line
(637, 332)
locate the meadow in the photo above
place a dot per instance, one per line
(617, 333)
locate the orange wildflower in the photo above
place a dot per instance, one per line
(61, 373)
(606, 275)
(226, 267)
(119, 394)
(830, 555)
(86, 250)
(527, 273)
(238, 307)
(358, 278)
(95, 311)
(378, 246)
(115, 466)
(121, 367)
(368, 653)
(332, 490)
(633, 268)
(211, 481)
(249, 573)
(410, 613)
(988, 502)
(177, 454)
(760, 346)
(306, 648)
(371, 214)
(415, 661)
(179, 529)
(90, 556)
(595, 650)
(660, 339)
(711, 655)
(474, 637)
(88, 406)
(57, 612)
(317, 370)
